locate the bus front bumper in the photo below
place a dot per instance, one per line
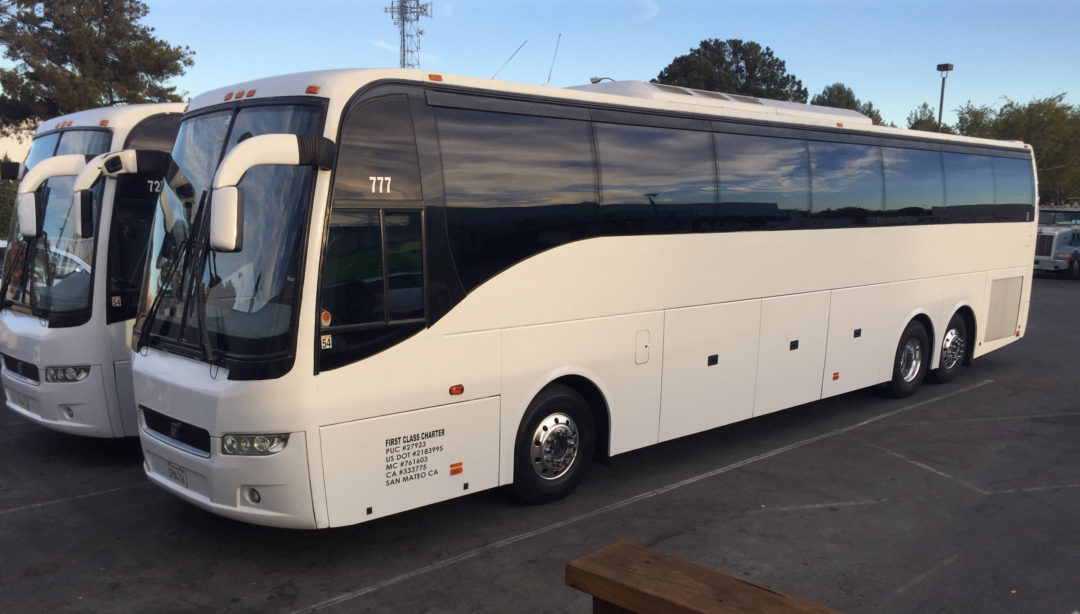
(78, 408)
(224, 484)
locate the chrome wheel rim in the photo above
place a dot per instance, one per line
(952, 349)
(554, 446)
(911, 360)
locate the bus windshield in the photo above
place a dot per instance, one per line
(209, 304)
(51, 274)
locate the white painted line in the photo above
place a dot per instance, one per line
(795, 508)
(619, 504)
(926, 574)
(12, 510)
(990, 419)
(1034, 489)
(963, 483)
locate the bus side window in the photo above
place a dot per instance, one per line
(129, 239)
(1014, 190)
(764, 182)
(969, 188)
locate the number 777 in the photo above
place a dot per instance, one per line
(383, 189)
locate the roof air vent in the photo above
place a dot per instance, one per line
(671, 89)
(746, 99)
(716, 95)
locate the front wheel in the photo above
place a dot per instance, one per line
(912, 358)
(1074, 268)
(953, 346)
(554, 446)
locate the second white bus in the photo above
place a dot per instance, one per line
(372, 290)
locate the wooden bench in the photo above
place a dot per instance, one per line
(626, 578)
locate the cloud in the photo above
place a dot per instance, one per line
(647, 9)
(385, 45)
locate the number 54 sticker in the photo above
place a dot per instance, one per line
(381, 189)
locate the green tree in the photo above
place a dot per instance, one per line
(1052, 128)
(734, 67)
(925, 118)
(8, 188)
(840, 96)
(71, 55)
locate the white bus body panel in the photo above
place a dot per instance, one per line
(852, 362)
(382, 466)
(698, 396)
(791, 353)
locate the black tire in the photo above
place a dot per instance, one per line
(954, 346)
(902, 387)
(529, 485)
(1074, 268)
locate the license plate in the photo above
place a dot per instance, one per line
(22, 401)
(177, 474)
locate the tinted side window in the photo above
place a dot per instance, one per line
(1014, 189)
(969, 188)
(84, 142)
(846, 183)
(157, 133)
(129, 239)
(42, 148)
(914, 186)
(655, 180)
(764, 182)
(377, 153)
(515, 186)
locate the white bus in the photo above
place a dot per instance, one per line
(372, 290)
(74, 269)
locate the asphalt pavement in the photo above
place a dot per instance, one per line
(963, 498)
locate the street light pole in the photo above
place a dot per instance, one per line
(944, 69)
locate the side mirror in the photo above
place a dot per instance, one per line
(227, 200)
(12, 170)
(29, 215)
(227, 220)
(111, 164)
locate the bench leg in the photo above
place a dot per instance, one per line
(599, 606)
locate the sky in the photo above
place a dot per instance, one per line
(886, 51)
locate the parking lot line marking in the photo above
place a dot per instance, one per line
(12, 510)
(1030, 417)
(322, 605)
(1034, 489)
(924, 575)
(814, 506)
(959, 481)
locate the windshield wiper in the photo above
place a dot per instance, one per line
(195, 285)
(181, 255)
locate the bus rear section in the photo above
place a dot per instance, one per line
(495, 290)
(71, 291)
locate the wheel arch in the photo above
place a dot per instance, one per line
(924, 319)
(597, 405)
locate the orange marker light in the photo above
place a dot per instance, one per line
(228, 96)
(457, 389)
(325, 318)
(240, 94)
(103, 122)
(456, 468)
(836, 376)
(312, 89)
(434, 77)
(60, 124)
(186, 107)
(250, 93)
(839, 125)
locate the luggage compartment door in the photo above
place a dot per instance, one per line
(791, 351)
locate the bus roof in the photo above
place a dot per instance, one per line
(120, 118)
(338, 86)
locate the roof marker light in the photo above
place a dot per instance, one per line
(250, 93)
(103, 122)
(240, 94)
(60, 124)
(457, 389)
(435, 77)
(228, 96)
(186, 107)
(312, 89)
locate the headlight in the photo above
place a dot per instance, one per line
(66, 374)
(253, 445)
(1063, 256)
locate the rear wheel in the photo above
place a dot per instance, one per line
(554, 446)
(953, 346)
(912, 358)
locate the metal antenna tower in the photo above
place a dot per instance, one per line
(407, 14)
